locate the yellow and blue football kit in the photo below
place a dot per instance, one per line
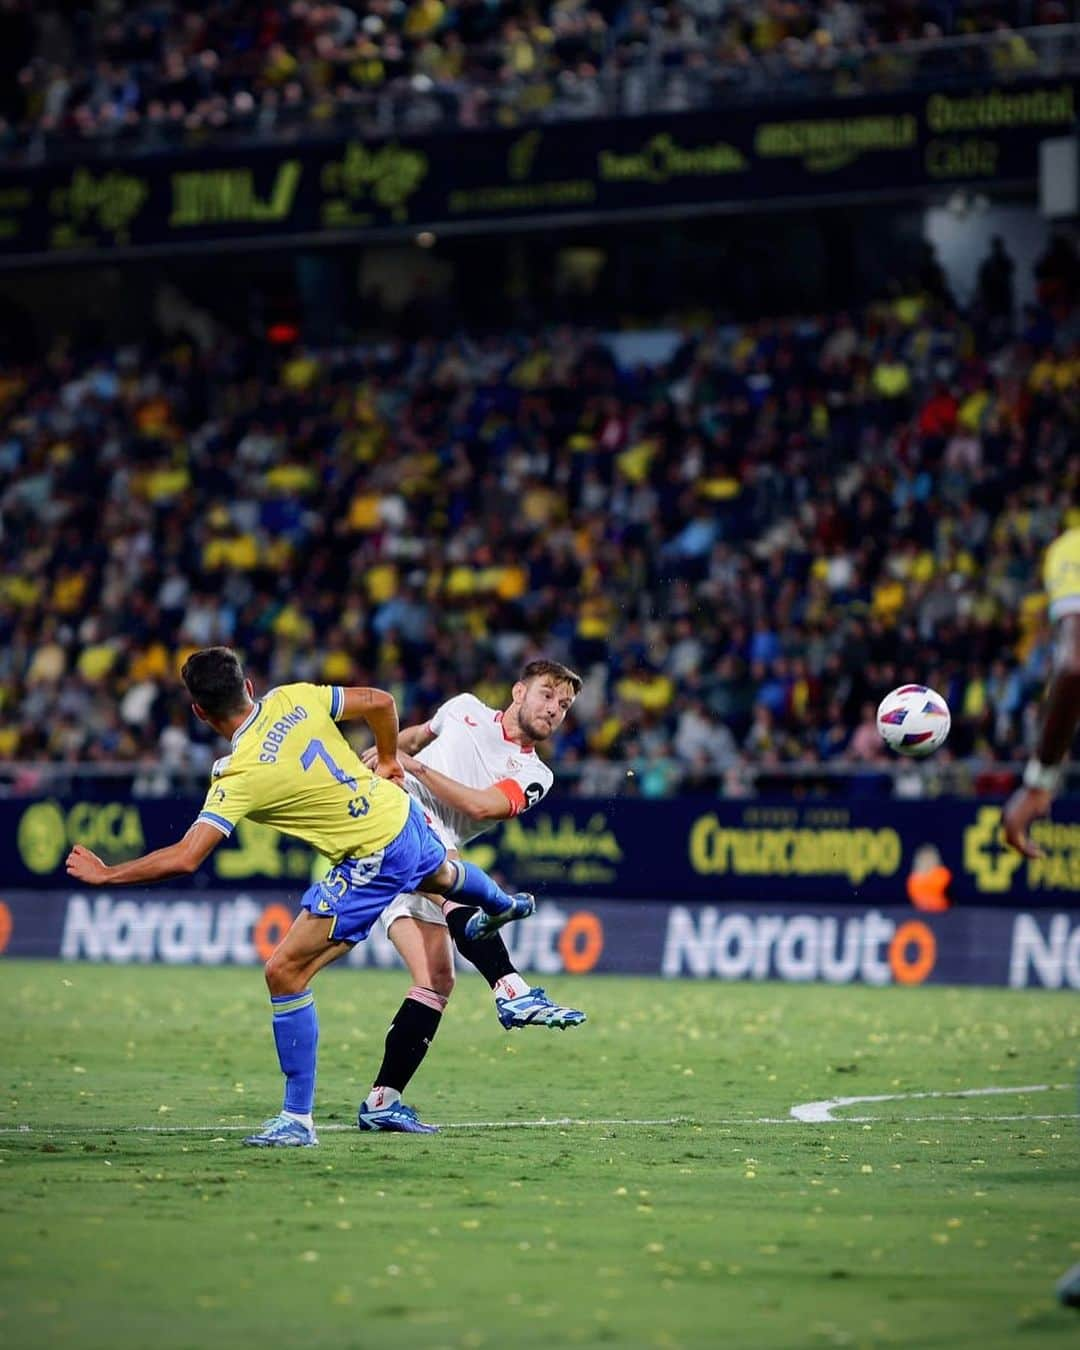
(1061, 575)
(291, 768)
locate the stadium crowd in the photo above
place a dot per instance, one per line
(741, 546)
(159, 72)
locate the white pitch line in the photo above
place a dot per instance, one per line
(929, 1120)
(733, 1122)
(820, 1113)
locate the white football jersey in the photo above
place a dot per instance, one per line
(472, 748)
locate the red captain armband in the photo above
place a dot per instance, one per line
(513, 794)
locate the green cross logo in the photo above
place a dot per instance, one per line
(986, 855)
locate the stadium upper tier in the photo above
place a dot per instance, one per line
(145, 76)
(741, 546)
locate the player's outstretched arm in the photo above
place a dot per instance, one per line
(379, 711)
(179, 859)
(413, 739)
(1061, 714)
(490, 803)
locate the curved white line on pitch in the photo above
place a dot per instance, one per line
(219, 1131)
(820, 1113)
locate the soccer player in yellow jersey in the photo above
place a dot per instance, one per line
(290, 767)
(1060, 715)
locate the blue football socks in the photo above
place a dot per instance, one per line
(475, 887)
(296, 1035)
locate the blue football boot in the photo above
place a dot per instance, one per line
(535, 1009)
(283, 1132)
(398, 1119)
(481, 925)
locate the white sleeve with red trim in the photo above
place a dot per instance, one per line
(453, 710)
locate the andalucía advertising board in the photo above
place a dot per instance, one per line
(789, 943)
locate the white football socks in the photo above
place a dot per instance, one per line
(381, 1097)
(304, 1118)
(510, 986)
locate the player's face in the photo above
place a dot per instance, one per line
(542, 706)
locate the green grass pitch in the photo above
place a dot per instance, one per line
(937, 1222)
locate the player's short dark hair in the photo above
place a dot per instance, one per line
(559, 673)
(215, 681)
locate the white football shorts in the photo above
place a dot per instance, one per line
(412, 906)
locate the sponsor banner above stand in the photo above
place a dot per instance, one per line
(880, 853)
(790, 943)
(726, 157)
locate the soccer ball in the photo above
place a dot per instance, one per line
(913, 720)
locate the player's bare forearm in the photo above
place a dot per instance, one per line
(413, 739)
(361, 701)
(1060, 718)
(177, 860)
(379, 711)
(479, 803)
(157, 866)
(1061, 712)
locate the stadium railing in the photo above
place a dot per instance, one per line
(661, 74)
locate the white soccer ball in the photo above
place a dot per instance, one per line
(913, 720)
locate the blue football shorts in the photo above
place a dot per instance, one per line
(357, 890)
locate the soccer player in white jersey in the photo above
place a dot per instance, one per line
(468, 768)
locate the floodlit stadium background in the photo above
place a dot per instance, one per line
(727, 351)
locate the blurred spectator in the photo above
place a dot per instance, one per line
(162, 71)
(866, 745)
(742, 549)
(996, 283)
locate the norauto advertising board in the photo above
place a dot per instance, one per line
(625, 849)
(792, 943)
(725, 157)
